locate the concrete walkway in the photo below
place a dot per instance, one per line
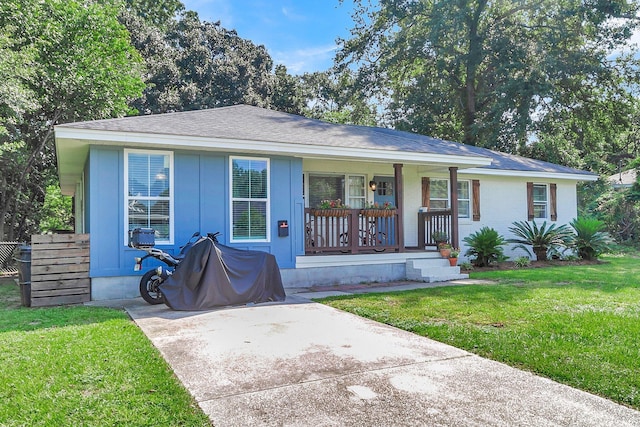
(301, 363)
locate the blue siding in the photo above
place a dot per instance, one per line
(87, 195)
(106, 207)
(201, 203)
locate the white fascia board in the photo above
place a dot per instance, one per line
(529, 174)
(252, 146)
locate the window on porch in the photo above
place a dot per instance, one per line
(348, 188)
(439, 196)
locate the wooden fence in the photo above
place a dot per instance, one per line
(60, 269)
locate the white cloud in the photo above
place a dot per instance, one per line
(310, 59)
(290, 14)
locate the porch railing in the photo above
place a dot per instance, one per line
(431, 222)
(333, 230)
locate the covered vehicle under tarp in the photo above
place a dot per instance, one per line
(213, 275)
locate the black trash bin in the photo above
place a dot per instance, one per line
(24, 274)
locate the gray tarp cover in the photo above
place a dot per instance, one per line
(214, 275)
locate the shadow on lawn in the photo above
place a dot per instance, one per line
(14, 317)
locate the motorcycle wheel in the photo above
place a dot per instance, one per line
(149, 288)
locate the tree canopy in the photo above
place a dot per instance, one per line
(502, 74)
(196, 64)
(61, 62)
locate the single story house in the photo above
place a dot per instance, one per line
(261, 176)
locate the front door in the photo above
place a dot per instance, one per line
(385, 193)
(384, 190)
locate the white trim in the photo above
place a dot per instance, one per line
(448, 199)
(547, 207)
(529, 174)
(303, 261)
(264, 147)
(346, 198)
(125, 192)
(267, 200)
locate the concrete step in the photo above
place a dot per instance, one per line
(433, 270)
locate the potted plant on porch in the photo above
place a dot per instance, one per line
(331, 208)
(375, 210)
(439, 237)
(453, 257)
(445, 250)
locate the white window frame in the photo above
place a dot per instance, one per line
(545, 203)
(448, 199)
(171, 197)
(246, 199)
(347, 199)
(469, 200)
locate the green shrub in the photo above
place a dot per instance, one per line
(590, 241)
(522, 261)
(485, 246)
(466, 266)
(542, 239)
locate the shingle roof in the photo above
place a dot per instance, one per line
(244, 122)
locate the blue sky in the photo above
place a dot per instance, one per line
(300, 34)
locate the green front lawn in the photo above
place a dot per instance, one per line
(85, 366)
(579, 325)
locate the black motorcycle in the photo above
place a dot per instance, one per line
(151, 280)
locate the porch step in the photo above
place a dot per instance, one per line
(433, 270)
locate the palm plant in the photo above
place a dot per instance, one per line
(486, 246)
(540, 238)
(590, 240)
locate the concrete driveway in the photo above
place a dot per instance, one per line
(305, 364)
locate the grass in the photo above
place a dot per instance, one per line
(578, 325)
(87, 366)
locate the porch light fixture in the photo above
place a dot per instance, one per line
(372, 185)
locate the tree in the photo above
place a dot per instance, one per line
(493, 74)
(195, 65)
(81, 67)
(56, 210)
(336, 98)
(159, 13)
(288, 94)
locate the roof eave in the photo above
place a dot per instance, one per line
(133, 139)
(532, 174)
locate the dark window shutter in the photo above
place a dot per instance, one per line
(530, 213)
(426, 191)
(475, 184)
(554, 202)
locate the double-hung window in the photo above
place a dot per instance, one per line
(350, 189)
(439, 196)
(249, 199)
(149, 192)
(540, 201)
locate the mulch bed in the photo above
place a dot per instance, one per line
(510, 265)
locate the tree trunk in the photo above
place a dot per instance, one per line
(541, 253)
(473, 61)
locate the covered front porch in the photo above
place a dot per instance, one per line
(402, 223)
